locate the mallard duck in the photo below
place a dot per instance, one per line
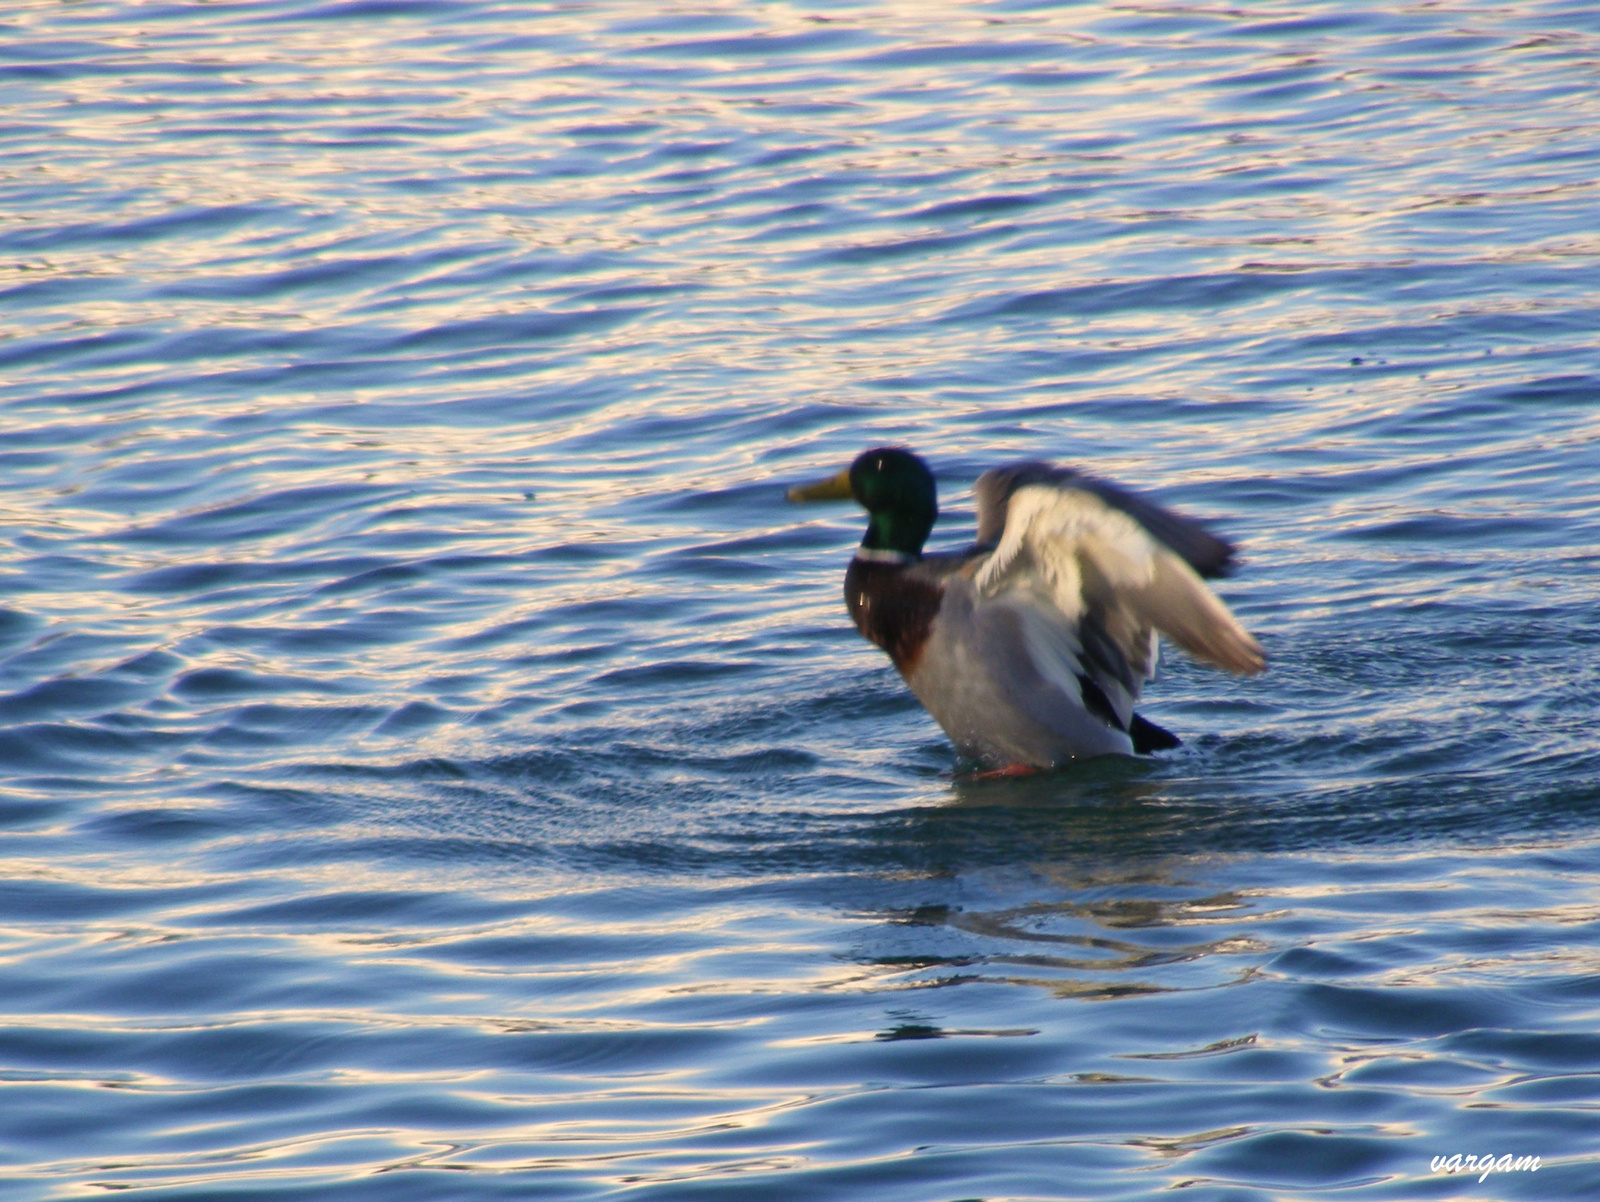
(1031, 647)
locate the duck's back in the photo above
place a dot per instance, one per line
(1005, 679)
(1004, 676)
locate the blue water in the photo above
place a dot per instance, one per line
(436, 761)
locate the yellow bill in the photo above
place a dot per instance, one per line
(834, 488)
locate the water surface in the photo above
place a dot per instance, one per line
(436, 760)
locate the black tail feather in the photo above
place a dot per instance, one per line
(1148, 737)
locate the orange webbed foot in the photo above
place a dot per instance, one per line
(1008, 770)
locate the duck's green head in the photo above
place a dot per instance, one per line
(895, 488)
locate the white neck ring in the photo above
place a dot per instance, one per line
(882, 555)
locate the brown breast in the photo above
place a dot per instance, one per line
(893, 606)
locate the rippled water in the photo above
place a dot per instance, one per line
(436, 760)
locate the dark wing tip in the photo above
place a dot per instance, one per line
(1215, 559)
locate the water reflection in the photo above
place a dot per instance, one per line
(407, 657)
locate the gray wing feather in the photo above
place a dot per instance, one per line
(1001, 675)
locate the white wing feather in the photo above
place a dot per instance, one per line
(1091, 558)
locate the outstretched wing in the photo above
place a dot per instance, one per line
(1203, 551)
(1106, 573)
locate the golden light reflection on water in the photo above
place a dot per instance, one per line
(505, 135)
